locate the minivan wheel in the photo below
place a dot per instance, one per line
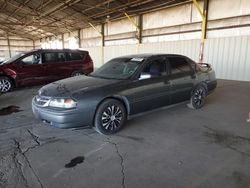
(5, 84)
(110, 117)
(76, 73)
(198, 97)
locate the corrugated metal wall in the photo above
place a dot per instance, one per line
(178, 30)
(17, 45)
(230, 57)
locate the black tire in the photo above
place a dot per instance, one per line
(110, 117)
(76, 73)
(5, 84)
(198, 97)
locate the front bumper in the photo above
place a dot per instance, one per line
(61, 119)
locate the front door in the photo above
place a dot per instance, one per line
(30, 70)
(152, 89)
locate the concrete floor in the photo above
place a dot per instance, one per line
(175, 147)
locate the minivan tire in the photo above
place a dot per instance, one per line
(76, 73)
(5, 84)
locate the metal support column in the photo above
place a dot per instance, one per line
(102, 38)
(103, 42)
(79, 38)
(8, 42)
(203, 14)
(140, 25)
(138, 29)
(63, 41)
(34, 44)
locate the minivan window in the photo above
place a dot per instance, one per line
(75, 56)
(178, 65)
(53, 57)
(31, 59)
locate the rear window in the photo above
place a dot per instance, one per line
(52, 57)
(75, 56)
(179, 65)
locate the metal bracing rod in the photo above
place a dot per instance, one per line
(120, 8)
(132, 21)
(17, 9)
(33, 10)
(95, 29)
(203, 14)
(98, 5)
(204, 25)
(198, 8)
(138, 29)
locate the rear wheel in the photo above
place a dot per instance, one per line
(5, 84)
(110, 117)
(76, 73)
(198, 97)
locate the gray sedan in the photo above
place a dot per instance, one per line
(121, 88)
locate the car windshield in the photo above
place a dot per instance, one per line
(119, 68)
(14, 58)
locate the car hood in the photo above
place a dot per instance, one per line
(68, 87)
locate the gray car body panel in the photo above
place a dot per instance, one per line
(138, 96)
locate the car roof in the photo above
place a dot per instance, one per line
(149, 55)
(57, 50)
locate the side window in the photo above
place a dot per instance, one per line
(155, 68)
(32, 59)
(54, 57)
(179, 65)
(61, 57)
(74, 56)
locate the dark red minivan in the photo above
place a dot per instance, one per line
(43, 66)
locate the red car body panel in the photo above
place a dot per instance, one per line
(43, 73)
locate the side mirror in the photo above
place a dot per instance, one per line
(144, 76)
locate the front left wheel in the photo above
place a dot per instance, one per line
(110, 117)
(5, 84)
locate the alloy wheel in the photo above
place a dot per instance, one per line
(76, 74)
(112, 117)
(5, 85)
(199, 96)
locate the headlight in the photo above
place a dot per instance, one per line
(62, 103)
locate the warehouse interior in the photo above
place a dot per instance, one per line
(173, 147)
(26, 26)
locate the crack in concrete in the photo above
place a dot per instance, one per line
(18, 164)
(35, 138)
(121, 161)
(18, 148)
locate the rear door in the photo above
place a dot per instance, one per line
(182, 77)
(75, 61)
(30, 70)
(152, 92)
(54, 63)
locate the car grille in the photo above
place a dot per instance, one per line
(42, 101)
